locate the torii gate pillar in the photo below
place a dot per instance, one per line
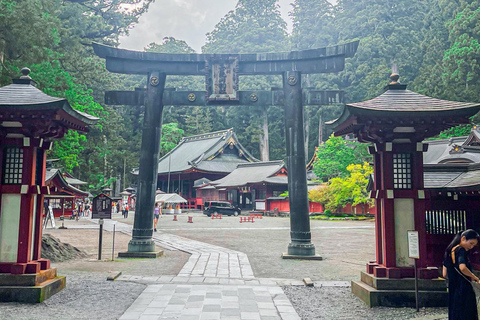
(300, 245)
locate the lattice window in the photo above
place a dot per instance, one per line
(12, 165)
(402, 171)
(445, 221)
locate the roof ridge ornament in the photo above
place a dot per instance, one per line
(395, 84)
(25, 78)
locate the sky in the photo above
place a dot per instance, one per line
(188, 20)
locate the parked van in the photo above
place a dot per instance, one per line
(220, 207)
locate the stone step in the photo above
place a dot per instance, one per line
(438, 284)
(398, 298)
(27, 280)
(32, 294)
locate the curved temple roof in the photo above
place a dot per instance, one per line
(405, 109)
(23, 96)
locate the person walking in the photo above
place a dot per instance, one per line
(156, 214)
(457, 269)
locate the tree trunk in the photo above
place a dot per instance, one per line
(320, 128)
(264, 139)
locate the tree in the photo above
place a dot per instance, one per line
(254, 26)
(342, 191)
(171, 136)
(313, 24)
(335, 155)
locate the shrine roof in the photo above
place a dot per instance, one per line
(398, 100)
(407, 109)
(464, 149)
(253, 173)
(218, 151)
(452, 178)
(28, 97)
(56, 177)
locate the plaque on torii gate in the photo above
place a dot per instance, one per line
(222, 73)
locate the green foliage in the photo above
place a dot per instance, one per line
(342, 191)
(254, 26)
(335, 155)
(171, 136)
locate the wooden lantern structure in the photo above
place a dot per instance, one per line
(29, 119)
(396, 123)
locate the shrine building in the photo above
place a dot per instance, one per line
(210, 155)
(249, 185)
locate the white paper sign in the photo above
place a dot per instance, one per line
(413, 246)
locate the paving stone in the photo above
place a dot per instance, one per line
(194, 298)
(282, 303)
(210, 315)
(165, 279)
(131, 315)
(268, 312)
(265, 305)
(230, 312)
(149, 317)
(211, 308)
(194, 304)
(189, 317)
(157, 304)
(285, 309)
(249, 316)
(192, 311)
(290, 316)
(155, 311)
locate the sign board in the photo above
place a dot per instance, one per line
(413, 246)
(260, 205)
(102, 207)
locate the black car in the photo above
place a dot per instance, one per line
(220, 207)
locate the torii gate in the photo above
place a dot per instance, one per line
(222, 73)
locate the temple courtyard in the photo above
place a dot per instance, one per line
(214, 269)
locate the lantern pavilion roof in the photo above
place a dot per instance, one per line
(401, 113)
(22, 104)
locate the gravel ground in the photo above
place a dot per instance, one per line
(339, 303)
(87, 296)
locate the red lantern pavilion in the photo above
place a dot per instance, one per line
(29, 119)
(396, 123)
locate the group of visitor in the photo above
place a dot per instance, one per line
(121, 206)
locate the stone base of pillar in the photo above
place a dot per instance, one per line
(302, 250)
(30, 288)
(141, 249)
(289, 256)
(384, 292)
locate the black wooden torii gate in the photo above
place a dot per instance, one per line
(222, 73)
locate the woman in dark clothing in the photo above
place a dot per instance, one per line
(456, 267)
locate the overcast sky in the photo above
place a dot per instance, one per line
(187, 20)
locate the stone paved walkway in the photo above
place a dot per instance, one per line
(215, 283)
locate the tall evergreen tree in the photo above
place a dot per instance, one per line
(254, 26)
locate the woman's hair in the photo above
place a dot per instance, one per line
(468, 234)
